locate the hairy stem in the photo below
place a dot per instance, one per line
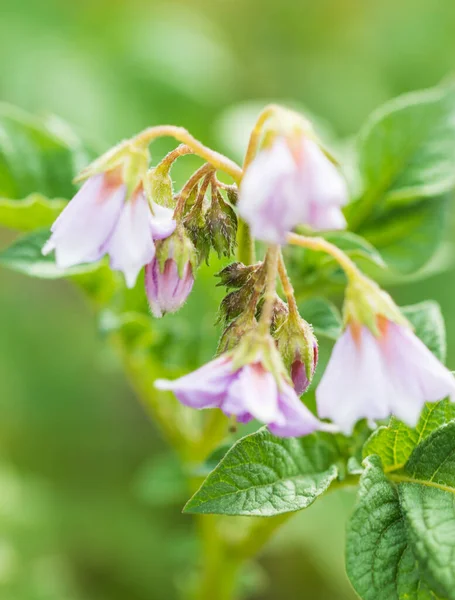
(321, 245)
(270, 289)
(219, 161)
(189, 186)
(287, 287)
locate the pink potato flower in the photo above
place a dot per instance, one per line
(373, 377)
(101, 219)
(246, 393)
(288, 186)
(166, 290)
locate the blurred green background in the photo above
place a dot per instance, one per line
(80, 516)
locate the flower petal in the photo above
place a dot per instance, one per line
(161, 222)
(297, 419)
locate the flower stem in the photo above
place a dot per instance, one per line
(219, 161)
(173, 155)
(270, 288)
(287, 287)
(321, 245)
(255, 136)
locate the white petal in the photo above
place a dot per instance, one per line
(131, 244)
(325, 184)
(256, 390)
(354, 384)
(81, 230)
(162, 224)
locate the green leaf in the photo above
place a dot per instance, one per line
(395, 442)
(407, 239)
(380, 560)
(427, 494)
(25, 256)
(406, 152)
(324, 316)
(263, 475)
(428, 323)
(38, 161)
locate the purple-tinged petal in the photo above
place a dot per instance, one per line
(204, 388)
(355, 384)
(131, 245)
(167, 291)
(81, 230)
(297, 419)
(299, 377)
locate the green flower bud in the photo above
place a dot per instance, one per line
(235, 332)
(222, 225)
(194, 223)
(237, 274)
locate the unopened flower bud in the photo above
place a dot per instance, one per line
(166, 288)
(179, 248)
(235, 332)
(298, 347)
(221, 223)
(195, 226)
(280, 312)
(237, 274)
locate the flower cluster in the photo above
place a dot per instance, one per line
(267, 353)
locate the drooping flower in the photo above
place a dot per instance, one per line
(166, 290)
(378, 366)
(290, 184)
(246, 391)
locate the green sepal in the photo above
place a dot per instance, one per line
(195, 226)
(158, 185)
(235, 331)
(221, 222)
(178, 247)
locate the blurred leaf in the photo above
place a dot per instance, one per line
(266, 475)
(380, 561)
(408, 238)
(38, 162)
(323, 316)
(161, 481)
(428, 323)
(407, 152)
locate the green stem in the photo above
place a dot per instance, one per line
(245, 244)
(270, 289)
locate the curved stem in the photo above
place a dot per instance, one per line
(321, 245)
(287, 286)
(255, 136)
(219, 161)
(173, 155)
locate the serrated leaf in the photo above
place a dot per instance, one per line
(323, 316)
(427, 494)
(38, 162)
(263, 475)
(380, 560)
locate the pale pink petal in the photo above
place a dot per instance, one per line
(255, 389)
(80, 232)
(204, 388)
(355, 383)
(416, 375)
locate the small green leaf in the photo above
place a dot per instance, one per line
(263, 475)
(380, 560)
(323, 316)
